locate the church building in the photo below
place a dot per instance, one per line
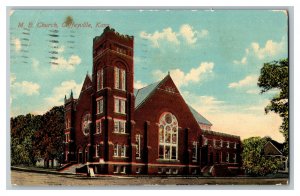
(116, 129)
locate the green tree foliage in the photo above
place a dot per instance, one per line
(22, 136)
(39, 136)
(49, 138)
(275, 75)
(254, 161)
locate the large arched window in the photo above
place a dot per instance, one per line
(168, 136)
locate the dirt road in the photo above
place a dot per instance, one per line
(21, 178)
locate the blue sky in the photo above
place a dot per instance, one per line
(214, 57)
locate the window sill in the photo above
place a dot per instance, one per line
(97, 133)
(119, 157)
(121, 133)
(119, 113)
(168, 160)
(119, 89)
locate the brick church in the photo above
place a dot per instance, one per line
(116, 129)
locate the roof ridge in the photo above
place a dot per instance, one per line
(158, 83)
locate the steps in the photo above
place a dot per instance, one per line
(72, 168)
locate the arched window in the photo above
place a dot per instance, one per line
(168, 136)
(99, 79)
(85, 124)
(120, 78)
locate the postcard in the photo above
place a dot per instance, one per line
(149, 97)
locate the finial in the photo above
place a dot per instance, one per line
(168, 72)
(65, 98)
(71, 96)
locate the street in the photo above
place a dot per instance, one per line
(21, 178)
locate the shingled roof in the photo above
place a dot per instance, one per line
(142, 94)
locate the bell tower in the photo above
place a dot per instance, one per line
(113, 78)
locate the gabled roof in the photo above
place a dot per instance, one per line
(278, 145)
(142, 94)
(199, 118)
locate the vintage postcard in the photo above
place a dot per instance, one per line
(148, 97)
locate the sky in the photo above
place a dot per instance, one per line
(214, 58)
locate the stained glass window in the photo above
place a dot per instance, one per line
(168, 136)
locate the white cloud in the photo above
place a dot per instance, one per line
(195, 75)
(270, 49)
(226, 117)
(247, 81)
(186, 32)
(138, 84)
(243, 61)
(202, 33)
(65, 64)
(63, 89)
(24, 87)
(18, 44)
(253, 91)
(203, 104)
(166, 34)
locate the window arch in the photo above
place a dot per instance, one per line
(168, 136)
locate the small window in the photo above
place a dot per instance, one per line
(138, 146)
(175, 171)
(227, 157)
(116, 150)
(100, 79)
(168, 171)
(119, 126)
(228, 144)
(123, 151)
(234, 145)
(67, 138)
(98, 127)
(120, 105)
(194, 151)
(123, 169)
(139, 170)
(160, 170)
(97, 150)
(100, 105)
(194, 171)
(116, 169)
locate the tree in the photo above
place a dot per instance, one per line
(49, 139)
(34, 137)
(275, 75)
(254, 161)
(22, 137)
